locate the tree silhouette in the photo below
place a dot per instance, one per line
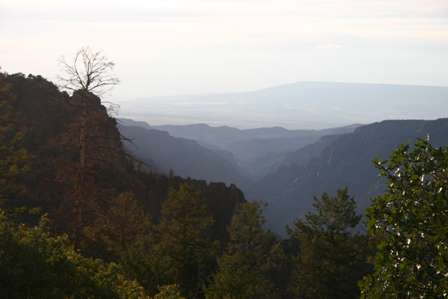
(88, 77)
(332, 257)
(250, 261)
(89, 71)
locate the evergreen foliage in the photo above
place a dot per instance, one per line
(180, 250)
(169, 292)
(185, 250)
(14, 156)
(331, 257)
(35, 264)
(119, 226)
(251, 260)
(411, 223)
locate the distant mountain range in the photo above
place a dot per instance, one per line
(164, 153)
(251, 152)
(338, 161)
(257, 151)
(285, 168)
(303, 105)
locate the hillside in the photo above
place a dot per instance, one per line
(51, 122)
(186, 158)
(225, 136)
(257, 151)
(336, 162)
(304, 155)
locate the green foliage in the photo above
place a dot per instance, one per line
(333, 215)
(108, 221)
(251, 260)
(142, 262)
(169, 292)
(180, 251)
(119, 226)
(34, 264)
(13, 162)
(185, 249)
(331, 258)
(411, 222)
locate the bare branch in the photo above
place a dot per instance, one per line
(90, 71)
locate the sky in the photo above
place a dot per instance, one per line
(172, 47)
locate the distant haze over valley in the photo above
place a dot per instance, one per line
(286, 144)
(302, 105)
(285, 168)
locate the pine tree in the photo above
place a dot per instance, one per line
(411, 223)
(185, 252)
(331, 258)
(119, 226)
(251, 259)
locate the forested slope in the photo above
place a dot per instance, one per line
(50, 122)
(337, 161)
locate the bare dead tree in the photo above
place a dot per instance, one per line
(89, 71)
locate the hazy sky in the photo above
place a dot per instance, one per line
(165, 47)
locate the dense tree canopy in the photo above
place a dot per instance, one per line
(180, 250)
(35, 264)
(169, 292)
(119, 226)
(13, 155)
(187, 252)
